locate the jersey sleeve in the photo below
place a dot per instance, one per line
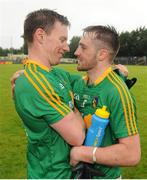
(51, 108)
(39, 100)
(123, 117)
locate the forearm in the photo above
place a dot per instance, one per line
(115, 155)
(121, 154)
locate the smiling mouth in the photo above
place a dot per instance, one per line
(61, 54)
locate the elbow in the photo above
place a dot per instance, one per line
(134, 159)
(81, 140)
(78, 140)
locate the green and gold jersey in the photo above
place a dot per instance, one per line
(43, 97)
(111, 91)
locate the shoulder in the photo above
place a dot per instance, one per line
(26, 87)
(79, 82)
(22, 83)
(117, 92)
(61, 71)
(116, 85)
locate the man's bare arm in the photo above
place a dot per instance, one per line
(126, 153)
(71, 129)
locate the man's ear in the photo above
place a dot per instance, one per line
(39, 35)
(102, 54)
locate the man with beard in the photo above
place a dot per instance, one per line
(103, 87)
(43, 98)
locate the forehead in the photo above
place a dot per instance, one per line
(87, 39)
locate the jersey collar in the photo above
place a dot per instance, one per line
(30, 61)
(100, 79)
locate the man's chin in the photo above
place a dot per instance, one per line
(55, 63)
(79, 68)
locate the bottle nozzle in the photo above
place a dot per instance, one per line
(102, 112)
(104, 108)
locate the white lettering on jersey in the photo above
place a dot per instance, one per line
(76, 96)
(61, 86)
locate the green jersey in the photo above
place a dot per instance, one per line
(44, 97)
(111, 91)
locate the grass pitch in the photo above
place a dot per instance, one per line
(12, 135)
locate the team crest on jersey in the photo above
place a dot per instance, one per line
(95, 102)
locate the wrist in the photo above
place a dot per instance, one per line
(80, 153)
(86, 154)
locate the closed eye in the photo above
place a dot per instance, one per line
(63, 39)
(82, 46)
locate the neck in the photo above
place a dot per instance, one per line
(97, 72)
(37, 56)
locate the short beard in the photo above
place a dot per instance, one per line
(81, 69)
(84, 68)
(87, 67)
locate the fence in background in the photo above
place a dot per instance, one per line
(118, 60)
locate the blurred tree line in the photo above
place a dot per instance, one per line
(132, 44)
(5, 52)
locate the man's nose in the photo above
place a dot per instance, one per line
(76, 53)
(66, 48)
